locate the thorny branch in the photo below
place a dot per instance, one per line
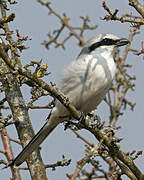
(141, 51)
(81, 163)
(82, 138)
(61, 163)
(139, 7)
(123, 79)
(10, 83)
(136, 21)
(65, 24)
(125, 18)
(122, 85)
(8, 149)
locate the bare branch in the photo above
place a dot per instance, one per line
(139, 7)
(8, 151)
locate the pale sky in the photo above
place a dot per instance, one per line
(33, 21)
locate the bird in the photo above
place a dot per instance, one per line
(84, 82)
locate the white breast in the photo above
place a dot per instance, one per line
(100, 75)
(86, 81)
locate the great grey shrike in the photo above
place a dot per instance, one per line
(85, 82)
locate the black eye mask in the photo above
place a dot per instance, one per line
(104, 42)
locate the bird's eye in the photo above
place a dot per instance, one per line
(106, 40)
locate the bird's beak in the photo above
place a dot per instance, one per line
(122, 42)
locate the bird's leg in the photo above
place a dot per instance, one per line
(81, 119)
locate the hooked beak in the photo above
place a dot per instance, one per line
(122, 42)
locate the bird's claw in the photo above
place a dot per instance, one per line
(82, 118)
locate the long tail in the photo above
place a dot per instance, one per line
(34, 143)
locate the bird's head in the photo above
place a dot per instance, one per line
(104, 42)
